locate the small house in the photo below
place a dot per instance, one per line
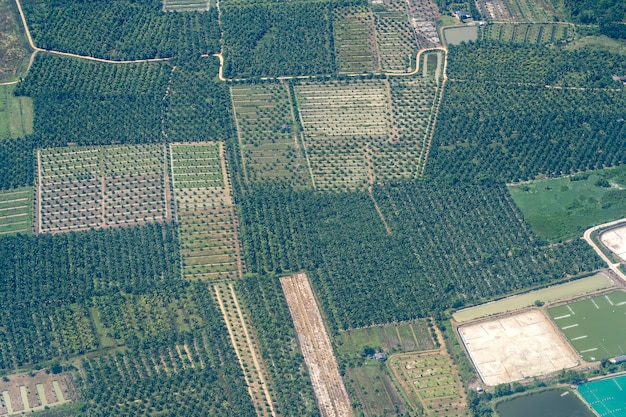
(462, 15)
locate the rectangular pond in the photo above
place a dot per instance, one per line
(551, 403)
(606, 396)
(457, 35)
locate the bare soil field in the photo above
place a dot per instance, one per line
(26, 393)
(314, 342)
(615, 240)
(515, 347)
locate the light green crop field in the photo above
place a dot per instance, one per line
(595, 326)
(16, 114)
(562, 208)
(16, 211)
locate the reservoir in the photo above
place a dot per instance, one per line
(456, 35)
(551, 403)
(607, 396)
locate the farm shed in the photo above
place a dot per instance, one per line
(462, 15)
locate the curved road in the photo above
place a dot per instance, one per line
(587, 236)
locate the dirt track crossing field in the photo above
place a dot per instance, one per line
(331, 394)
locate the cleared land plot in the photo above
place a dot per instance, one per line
(545, 295)
(16, 114)
(371, 383)
(512, 348)
(563, 208)
(605, 396)
(36, 391)
(82, 187)
(595, 326)
(615, 240)
(355, 40)
(431, 381)
(12, 43)
(424, 15)
(314, 342)
(269, 141)
(246, 347)
(186, 5)
(395, 36)
(16, 211)
(207, 222)
(517, 10)
(534, 34)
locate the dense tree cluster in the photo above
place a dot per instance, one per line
(597, 11)
(514, 132)
(271, 318)
(197, 106)
(120, 30)
(451, 245)
(17, 162)
(277, 39)
(492, 61)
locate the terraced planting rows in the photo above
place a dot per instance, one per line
(534, 34)
(247, 349)
(331, 394)
(431, 381)
(355, 40)
(16, 211)
(82, 187)
(394, 35)
(186, 5)
(207, 223)
(269, 139)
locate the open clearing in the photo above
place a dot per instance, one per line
(615, 240)
(186, 5)
(16, 114)
(331, 394)
(515, 347)
(36, 391)
(205, 212)
(545, 295)
(16, 211)
(563, 208)
(432, 380)
(595, 326)
(85, 187)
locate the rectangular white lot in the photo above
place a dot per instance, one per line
(515, 347)
(615, 240)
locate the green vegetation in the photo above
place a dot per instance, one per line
(594, 326)
(395, 36)
(90, 103)
(451, 245)
(563, 208)
(17, 163)
(271, 318)
(277, 39)
(13, 48)
(355, 40)
(531, 34)
(16, 114)
(598, 43)
(16, 211)
(122, 30)
(609, 14)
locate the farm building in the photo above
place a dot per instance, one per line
(618, 359)
(462, 15)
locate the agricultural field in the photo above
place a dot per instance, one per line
(356, 50)
(36, 391)
(204, 211)
(81, 188)
(431, 382)
(545, 295)
(368, 382)
(396, 39)
(517, 10)
(314, 342)
(269, 139)
(16, 114)
(511, 348)
(16, 207)
(533, 33)
(186, 5)
(563, 208)
(13, 48)
(246, 348)
(594, 326)
(423, 16)
(615, 240)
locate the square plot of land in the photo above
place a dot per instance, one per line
(515, 347)
(615, 240)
